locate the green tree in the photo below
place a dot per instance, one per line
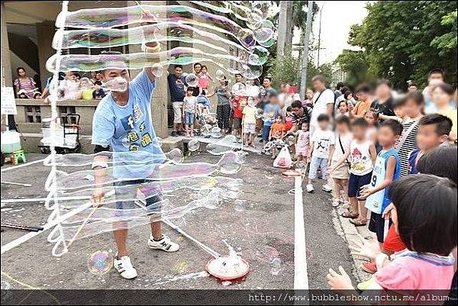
(403, 40)
(354, 63)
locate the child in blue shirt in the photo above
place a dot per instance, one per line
(387, 169)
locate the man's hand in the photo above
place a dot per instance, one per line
(97, 197)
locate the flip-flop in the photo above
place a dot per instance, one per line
(357, 223)
(350, 215)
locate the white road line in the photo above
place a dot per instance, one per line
(301, 281)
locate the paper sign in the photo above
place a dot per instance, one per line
(8, 101)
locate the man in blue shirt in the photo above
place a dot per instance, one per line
(122, 121)
(177, 92)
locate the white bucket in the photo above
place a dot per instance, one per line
(11, 142)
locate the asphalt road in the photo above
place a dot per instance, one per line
(261, 231)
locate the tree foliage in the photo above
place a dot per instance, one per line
(355, 64)
(403, 40)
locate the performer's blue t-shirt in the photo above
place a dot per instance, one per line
(129, 129)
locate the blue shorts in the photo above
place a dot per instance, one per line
(188, 118)
(355, 182)
(153, 203)
(377, 226)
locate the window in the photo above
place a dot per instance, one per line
(33, 114)
(64, 111)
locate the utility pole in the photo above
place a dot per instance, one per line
(319, 38)
(282, 28)
(308, 29)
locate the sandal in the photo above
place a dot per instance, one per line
(358, 223)
(350, 215)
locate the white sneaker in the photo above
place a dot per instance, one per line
(309, 188)
(165, 244)
(125, 268)
(327, 188)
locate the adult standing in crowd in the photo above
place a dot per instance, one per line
(285, 98)
(435, 77)
(301, 114)
(177, 93)
(197, 69)
(363, 94)
(383, 104)
(323, 101)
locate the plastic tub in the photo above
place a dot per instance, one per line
(11, 142)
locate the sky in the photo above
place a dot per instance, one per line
(336, 20)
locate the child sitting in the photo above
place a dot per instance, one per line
(98, 92)
(428, 231)
(189, 111)
(339, 174)
(203, 103)
(321, 143)
(204, 79)
(289, 121)
(303, 143)
(249, 122)
(362, 156)
(277, 131)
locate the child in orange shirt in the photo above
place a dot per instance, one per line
(277, 131)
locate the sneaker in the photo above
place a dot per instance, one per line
(165, 244)
(335, 202)
(125, 268)
(369, 267)
(309, 188)
(327, 188)
(174, 134)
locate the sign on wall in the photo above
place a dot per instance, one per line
(8, 101)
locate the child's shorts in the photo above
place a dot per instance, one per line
(188, 118)
(249, 128)
(322, 164)
(302, 151)
(177, 114)
(124, 208)
(355, 183)
(393, 242)
(377, 226)
(237, 123)
(340, 172)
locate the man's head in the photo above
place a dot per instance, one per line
(178, 71)
(363, 92)
(238, 77)
(319, 83)
(339, 86)
(323, 121)
(412, 87)
(267, 82)
(413, 104)
(442, 94)
(272, 96)
(433, 130)
(116, 77)
(297, 109)
(436, 76)
(389, 132)
(383, 90)
(197, 67)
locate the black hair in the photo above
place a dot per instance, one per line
(412, 84)
(323, 117)
(417, 97)
(195, 64)
(399, 102)
(344, 89)
(427, 213)
(268, 78)
(340, 85)
(437, 71)
(343, 101)
(447, 88)
(19, 68)
(190, 89)
(360, 122)
(443, 124)
(203, 66)
(347, 93)
(178, 66)
(288, 109)
(296, 104)
(442, 161)
(238, 74)
(343, 120)
(365, 88)
(384, 82)
(77, 75)
(204, 92)
(98, 83)
(394, 125)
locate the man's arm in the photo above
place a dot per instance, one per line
(99, 165)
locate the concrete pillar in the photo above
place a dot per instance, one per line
(6, 63)
(45, 34)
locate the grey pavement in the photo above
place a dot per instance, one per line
(262, 231)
